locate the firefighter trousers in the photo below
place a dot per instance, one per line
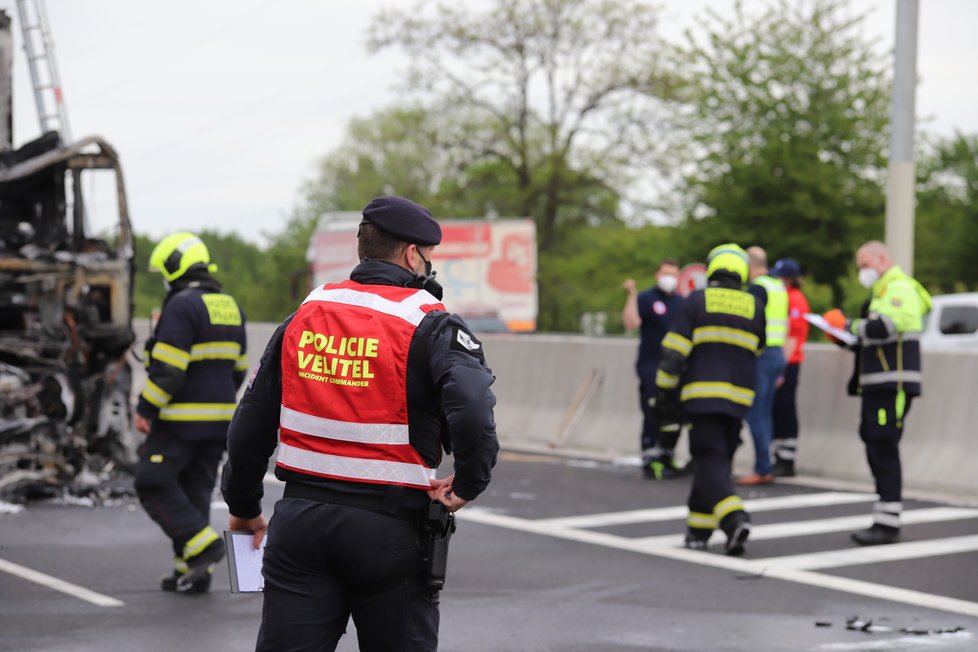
(713, 440)
(325, 562)
(881, 428)
(175, 482)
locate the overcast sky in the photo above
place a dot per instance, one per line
(220, 108)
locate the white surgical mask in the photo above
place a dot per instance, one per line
(667, 283)
(868, 277)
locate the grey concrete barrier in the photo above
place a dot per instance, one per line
(580, 395)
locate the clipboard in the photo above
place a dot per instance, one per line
(819, 322)
(244, 562)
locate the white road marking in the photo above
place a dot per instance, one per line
(679, 512)
(59, 585)
(761, 567)
(827, 525)
(878, 554)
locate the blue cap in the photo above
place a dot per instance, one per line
(404, 220)
(786, 268)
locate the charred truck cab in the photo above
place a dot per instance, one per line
(65, 321)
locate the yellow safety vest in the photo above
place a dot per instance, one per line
(776, 309)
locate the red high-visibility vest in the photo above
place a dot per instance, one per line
(344, 385)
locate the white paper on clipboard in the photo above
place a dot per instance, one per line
(244, 562)
(818, 321)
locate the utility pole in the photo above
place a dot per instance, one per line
(6, 83)
(902, 178)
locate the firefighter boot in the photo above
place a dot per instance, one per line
(876, 535)
(200, 563)
(736, 525)
(697, 538)
(784, 468)
(169, 582)
(663, 466)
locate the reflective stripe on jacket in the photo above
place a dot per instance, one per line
(710, 354)
(196, 361)
(344, 408)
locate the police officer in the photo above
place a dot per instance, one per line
(367, 382)
(708, 367)
(770, 364)
(887, 376)
(196, 361)
(652, 311)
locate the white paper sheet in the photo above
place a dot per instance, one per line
(844, 336)
(244, 562)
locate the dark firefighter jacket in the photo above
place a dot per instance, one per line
(197, 360)
(709, 355)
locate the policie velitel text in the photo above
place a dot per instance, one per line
(339, 360)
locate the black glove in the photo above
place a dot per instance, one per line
(667, 408)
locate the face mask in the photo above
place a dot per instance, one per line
(427, 280)
(868, 277)
(667, 283)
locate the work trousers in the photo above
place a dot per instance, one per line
(881, 428)
(175, 482)
(786, 415)
(713, 440)
(325, 562)
(650, 422)
(770, 365)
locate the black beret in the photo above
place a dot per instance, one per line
(403, 219)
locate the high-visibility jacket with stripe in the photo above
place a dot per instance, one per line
(344, 408)
(709, 355)
(775, 309)
(196, 361)
(889, 334)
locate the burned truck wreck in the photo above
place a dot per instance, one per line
(65, 322)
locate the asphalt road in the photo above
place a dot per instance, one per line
(563, 555)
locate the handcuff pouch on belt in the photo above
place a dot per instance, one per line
(437, 528)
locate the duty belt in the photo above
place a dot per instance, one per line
(387, 505)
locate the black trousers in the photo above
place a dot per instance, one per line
(785, 405)
(175, 482)
(881, 429)
(650, 422)
(713, 440)
(324, 563)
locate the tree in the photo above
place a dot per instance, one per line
(947, 215)
(788, 112)
(561, 96)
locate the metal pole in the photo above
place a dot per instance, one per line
(6, 83)
(901, 181)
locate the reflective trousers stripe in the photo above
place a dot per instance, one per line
(199, 541)
(880, 377)
(355, 468)
(727, 505)
(364, 433)
(197, 412)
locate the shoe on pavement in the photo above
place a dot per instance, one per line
(201, 585)
(755, 479)
(666, 468)
(877, 535)
(695, 543)
(201, 565)
(784, 469)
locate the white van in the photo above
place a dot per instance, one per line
(952, 324)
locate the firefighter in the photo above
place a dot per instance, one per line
(706, 376)
(887, 377)
(196, 361)
(366, 383)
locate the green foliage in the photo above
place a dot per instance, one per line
(946, 235)
(789, 109)
(268, 283)
(586, 270)
(558, 98)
